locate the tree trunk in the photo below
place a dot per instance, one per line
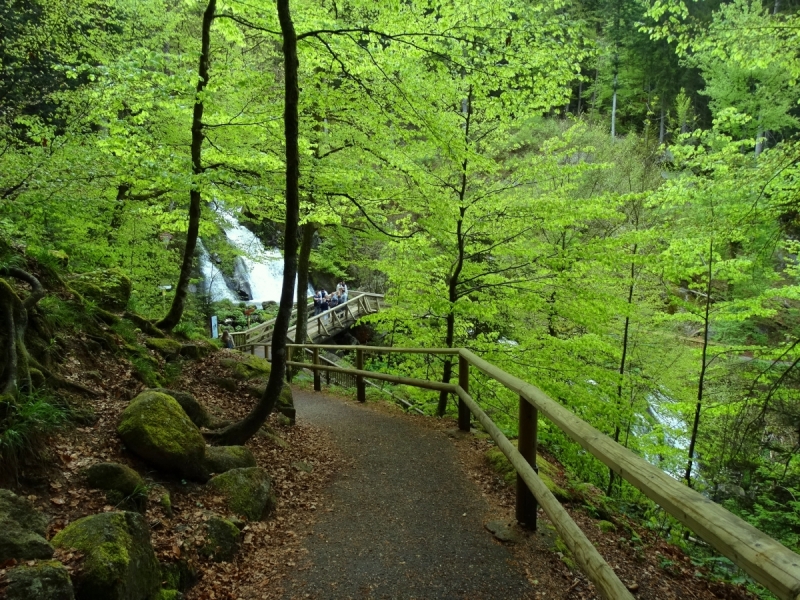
(15, 364)
(614, 110)
(696, 424)
(662, 126)
(240, 432)
(452, 294)
(302, 282)
(182, 290)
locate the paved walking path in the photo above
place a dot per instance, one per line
(406, 522)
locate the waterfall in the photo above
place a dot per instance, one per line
(258, 271)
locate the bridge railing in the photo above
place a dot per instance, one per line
(359, 303)
(766, 560)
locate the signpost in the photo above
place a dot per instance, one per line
(214, 331)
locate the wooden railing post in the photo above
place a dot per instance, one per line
(361, 388)
(463, 382)
(317, 374)
(526, 444)
(288, 368)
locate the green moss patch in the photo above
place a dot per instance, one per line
(247, 492)
(247, 367)
(165, 346)
(220, 459)
(547, 471)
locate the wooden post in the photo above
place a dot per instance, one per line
(317, 374)
(253, 349)
(526, 444)
(361, 388)
(463, 382)
(289, 369)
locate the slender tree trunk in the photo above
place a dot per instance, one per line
(614, 110)
(452, 292)
(302, 282)
(703, 365)
(182, 290)
(623, 359)
(580, 98)
(240, 432)
(760, 139)
(662, 126)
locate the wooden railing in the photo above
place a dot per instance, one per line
(766, 560)
(320, 326)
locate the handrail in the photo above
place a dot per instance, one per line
(769, 562)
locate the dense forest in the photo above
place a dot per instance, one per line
(599, 196)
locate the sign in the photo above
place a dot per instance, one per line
(214, 332)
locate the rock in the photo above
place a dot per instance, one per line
(22, 529)
(179, 575)
(156, 428)
(606, 526)
(504, 531)
(169, 595)
(246, 367)
(110, 288)
(273, 437)
(191, 406)
(299, 465)
(222, 540)
(119, 561)
(167, 347)
(248, 492)
(122, 484)
(220, 459)
(227, 383)
(46, 580)
(196, 351)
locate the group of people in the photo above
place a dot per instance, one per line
(324, 301)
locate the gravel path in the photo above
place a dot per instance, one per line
(406, 522)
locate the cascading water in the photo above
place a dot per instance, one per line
(258, 273)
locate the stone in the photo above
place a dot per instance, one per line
(45, 580)
(22, 529)
(191, 406)
(606, 526)
(119, 562)
(300, 465)
(221, 540)
(504, 531)
(167, 347)
(110, 288)
(220, 459)
(122, 484)
(179, 575)
(156, 428)
(227, 383)
(246, 367)
(247, 492)
(195, 351)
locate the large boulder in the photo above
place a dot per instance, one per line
(156, 428)
(247, 492)
(246, 366)
(45, 580)
(191, 406)
(221, 540)
(122, 484)
(110, 288)
(119, 562)
(22, 529)
(220, 459)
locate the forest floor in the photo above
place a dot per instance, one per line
(368, 472)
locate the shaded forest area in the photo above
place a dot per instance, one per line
(600, 197)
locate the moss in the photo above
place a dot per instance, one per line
(247, 367)
(220, 459)
(606, 526)
(168, 595)
(248, 492)
(165, 346)
(566, 555)
(119, 560)
(155, 427)
(222, 540)
(124, 487)
(501, 464)
(110, 288)
(166, 503)
(44, 580)
(198, 413)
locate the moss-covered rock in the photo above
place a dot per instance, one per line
(191, 406)
(168, 595)
(606, 526)
(285, 404)
(196, 350)
(246, 366)
(22, 529)
(156, 428)
(45, 580)
(179, 575)
(110, 288)
(122, 484)
(547, 471)
(167, 347)
(220, 459)
(119, 561)
(221, 540)
(247, 492)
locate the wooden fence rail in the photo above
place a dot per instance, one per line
(766, 560)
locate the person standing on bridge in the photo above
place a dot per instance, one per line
(227, 340)
(318, 302)
(342, 289)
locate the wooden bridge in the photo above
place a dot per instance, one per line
(320, 328)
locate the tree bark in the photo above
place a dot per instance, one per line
(182, 290)
(15, 366)
(302, 282)
(703, 365)
(240, 432)
(452, 287)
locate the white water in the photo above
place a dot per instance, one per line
(258, 271)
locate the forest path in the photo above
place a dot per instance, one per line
(406, 521)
